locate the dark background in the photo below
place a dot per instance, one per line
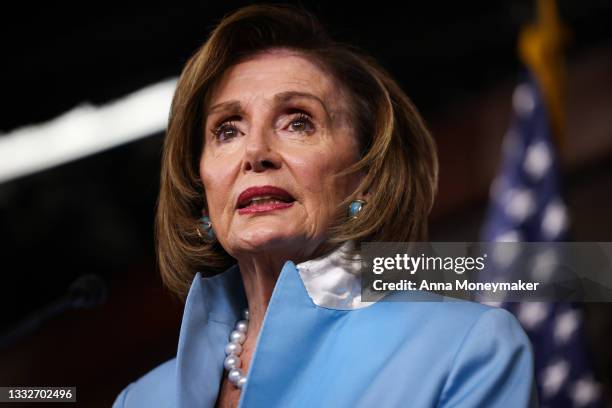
(457, 61)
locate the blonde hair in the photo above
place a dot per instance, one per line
(398, 157)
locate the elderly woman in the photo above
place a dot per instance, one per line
(284, 151)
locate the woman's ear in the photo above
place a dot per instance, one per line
(364, 196)
(204, 206)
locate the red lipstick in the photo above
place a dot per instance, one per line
(263, 199)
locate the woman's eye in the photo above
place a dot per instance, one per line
(226, 131)
(301, 123)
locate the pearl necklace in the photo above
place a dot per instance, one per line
(233, 349)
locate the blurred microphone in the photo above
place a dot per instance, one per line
(87, 291)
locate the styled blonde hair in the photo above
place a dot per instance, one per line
(398, 157)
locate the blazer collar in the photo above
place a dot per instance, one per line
(214, 304)
(333, 281)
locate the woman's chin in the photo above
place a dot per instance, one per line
(268, 241)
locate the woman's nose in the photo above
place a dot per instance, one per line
(259, 153)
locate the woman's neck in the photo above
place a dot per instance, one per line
(260, 272)
(259, 276)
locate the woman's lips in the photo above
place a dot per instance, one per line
(264, 207)
(263, 198)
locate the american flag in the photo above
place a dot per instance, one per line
(526, 205)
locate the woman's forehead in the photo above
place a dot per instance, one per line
(271, 75)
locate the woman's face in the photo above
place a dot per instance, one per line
(277, 130)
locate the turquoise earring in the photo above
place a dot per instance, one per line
(355, 207)
(206, 226)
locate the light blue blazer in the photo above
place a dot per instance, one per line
(388, 354)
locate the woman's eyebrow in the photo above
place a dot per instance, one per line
(235, 107)
(285, 97)
(232, 106)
